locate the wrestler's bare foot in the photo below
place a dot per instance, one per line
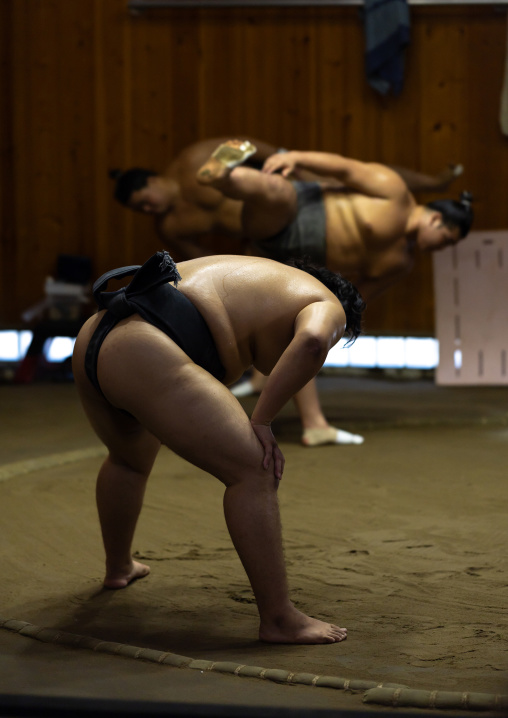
(121, 579)
(227, 156)
(448, 175)
(296, 627)
(254, 385)
(330, 435)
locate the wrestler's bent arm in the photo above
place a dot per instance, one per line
(366, 177)
(318, 327)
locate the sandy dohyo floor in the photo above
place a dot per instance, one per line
(402, 540)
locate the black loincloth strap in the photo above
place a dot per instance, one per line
(150, 295)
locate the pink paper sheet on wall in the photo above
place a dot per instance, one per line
(471, 300)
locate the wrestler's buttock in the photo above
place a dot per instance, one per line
(150, 299)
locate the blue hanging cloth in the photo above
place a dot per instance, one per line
(387, 34)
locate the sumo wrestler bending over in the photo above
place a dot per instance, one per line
(152, 367)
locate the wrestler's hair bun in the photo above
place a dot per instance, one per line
(114, 174)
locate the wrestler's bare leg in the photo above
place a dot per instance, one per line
(119, 492)
(269, 201)
(146, 374)
(420, 182)
(122, 477)
(316, 429)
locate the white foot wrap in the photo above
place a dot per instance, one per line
(244, 389)
(331, 435)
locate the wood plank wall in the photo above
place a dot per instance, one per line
(87, 86)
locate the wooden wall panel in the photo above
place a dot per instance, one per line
(88, 87)
(114, 103)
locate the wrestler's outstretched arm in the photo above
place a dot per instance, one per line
(416, 181)
(367, 177)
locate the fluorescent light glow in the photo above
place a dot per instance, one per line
(391, 352)
(386, 353)
(338, 355)
(59, 349)
(363, 353)
(422, 353)
(10, 346)
(367, 352)
(13, 345)
(25, 338)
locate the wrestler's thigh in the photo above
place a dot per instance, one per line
(269, 212)
(127, 441)
(180, 403)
